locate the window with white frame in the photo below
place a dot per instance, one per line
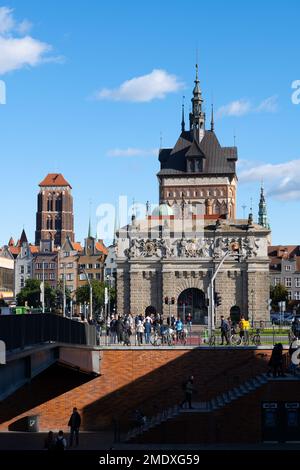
(288, 282)
(297, 295)
(277, 281)
(297, 282)
(52, 276)
(289, 295)
(288, 267)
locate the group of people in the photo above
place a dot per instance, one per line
(229, 328)
(59, 442)
(120, 328)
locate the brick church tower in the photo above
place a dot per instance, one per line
(54, 217)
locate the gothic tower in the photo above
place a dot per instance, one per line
(54, 217)
(198, 173)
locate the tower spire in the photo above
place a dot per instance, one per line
(212, 122)
(90, 228)
(262, 210)
(182, 116)
(197, 116)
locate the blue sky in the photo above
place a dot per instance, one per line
(63, 64)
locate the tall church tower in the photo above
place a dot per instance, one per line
(54, 217)
(198, 173)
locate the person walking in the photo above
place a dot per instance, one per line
(188, 389)
(74, 424)
(225, 330)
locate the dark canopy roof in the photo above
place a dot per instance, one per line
(216, 159)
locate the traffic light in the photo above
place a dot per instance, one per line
(218, 299)
(166, 300)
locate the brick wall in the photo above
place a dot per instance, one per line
(130, 379)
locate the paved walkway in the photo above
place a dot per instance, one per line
(104, 441)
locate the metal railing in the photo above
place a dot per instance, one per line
(20, 331)
(267, 337)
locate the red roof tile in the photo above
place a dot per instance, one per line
(101, 247)
(77, 246)
(54, 179)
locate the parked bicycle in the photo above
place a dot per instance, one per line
(155, 339)
(245, 340)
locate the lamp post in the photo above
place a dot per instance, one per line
(43, 288)
(252, 306)
(91, 292)
(211, 293)
(64, 290)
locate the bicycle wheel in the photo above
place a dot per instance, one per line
(256, 340)
(235, 339)
(153, 340)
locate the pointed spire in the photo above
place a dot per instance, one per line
(212, 122)
(90, 228)
(262, 210)
(182, 116)
(197, 116)
(23, 238)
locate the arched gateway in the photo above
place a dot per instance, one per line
(193, 301)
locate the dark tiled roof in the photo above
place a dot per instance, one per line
(217, 159)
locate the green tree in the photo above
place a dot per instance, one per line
(83, 294)
(278, 293)
(31, 294)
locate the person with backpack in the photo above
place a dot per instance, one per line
(74, 424)
(225, 329)
(60, 442)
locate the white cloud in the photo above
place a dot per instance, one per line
(131, 152)
(16, 49)
(283, 179)
(144, 88)
(269, 105)
(243, 107)
(7, 22)
(235, 108)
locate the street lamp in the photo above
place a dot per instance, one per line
(82, 270)
(252, 306)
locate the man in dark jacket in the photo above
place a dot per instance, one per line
(74, 424)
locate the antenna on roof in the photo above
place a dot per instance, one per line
(234, 138)
(244, 209)
(160, 140)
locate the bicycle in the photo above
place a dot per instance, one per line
(245, 340)
(181, 336)
(155, 339)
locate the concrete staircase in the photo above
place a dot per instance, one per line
(210, 406)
